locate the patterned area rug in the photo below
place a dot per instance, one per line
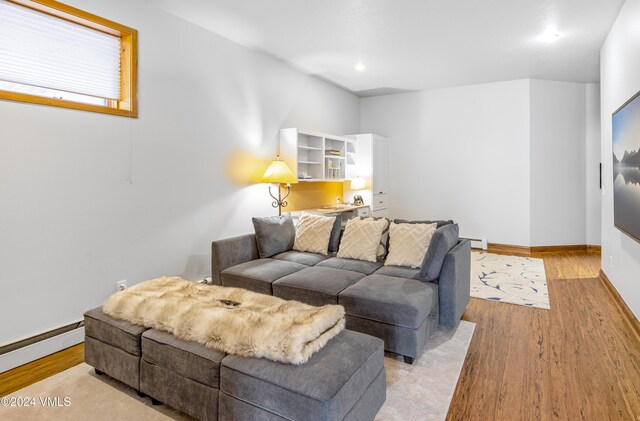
(509, 279)
(420, 392)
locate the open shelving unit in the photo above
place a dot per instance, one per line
(318, 157)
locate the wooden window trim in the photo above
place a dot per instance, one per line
(127, 106)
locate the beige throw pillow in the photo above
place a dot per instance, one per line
(361, 238)
(313, 232)
(408, 244)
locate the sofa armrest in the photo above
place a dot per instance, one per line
(230, 252)
(455, 284)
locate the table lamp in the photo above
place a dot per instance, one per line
(358, 183)
(279, 173)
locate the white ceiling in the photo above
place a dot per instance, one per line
(415, 44)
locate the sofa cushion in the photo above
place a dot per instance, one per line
(313, 233)
(408, 244)
(444, 239)
(188, 359)
(257, 275)
(361, 238)
(274, 234)
(383, 246)
(325, 388)
(336, 232)
(315, 285)
(350, 264)
(118, 333)
(399, 272)
(387, 299)
(302, 257)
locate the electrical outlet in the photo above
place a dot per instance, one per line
(611, 262)
(121, 285)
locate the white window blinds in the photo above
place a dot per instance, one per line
(46, 51)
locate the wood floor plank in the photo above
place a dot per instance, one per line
(33, 372)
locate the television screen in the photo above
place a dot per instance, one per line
(626, 167)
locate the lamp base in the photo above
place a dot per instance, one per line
(357, 200)
(280, 202)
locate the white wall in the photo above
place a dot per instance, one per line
(592, 169)
(71, 224)
(506, 160)
(460, 153)
(620, 80)
(558, 162)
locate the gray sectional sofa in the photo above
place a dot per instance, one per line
(400, 305)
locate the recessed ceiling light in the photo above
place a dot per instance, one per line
(360, 67)
(550, 35)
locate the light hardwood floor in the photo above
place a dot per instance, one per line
(577, 361)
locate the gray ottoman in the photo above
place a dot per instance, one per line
(343, 381)
(113, 347)
(184, 375)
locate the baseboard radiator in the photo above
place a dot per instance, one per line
(20, 352)
(477, 243)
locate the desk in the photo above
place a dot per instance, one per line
(347, 211)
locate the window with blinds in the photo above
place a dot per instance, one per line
(54, 54)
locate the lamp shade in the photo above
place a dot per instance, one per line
(278, 172)
(358, 183)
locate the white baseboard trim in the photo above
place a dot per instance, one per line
(40, 349)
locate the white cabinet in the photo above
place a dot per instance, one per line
(314, 156)
(372, 164)
(379, 170)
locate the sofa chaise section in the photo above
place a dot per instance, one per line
(403, 312)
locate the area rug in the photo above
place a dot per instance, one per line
(422, 391)
(509, 279)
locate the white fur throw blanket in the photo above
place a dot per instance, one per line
(231, 320)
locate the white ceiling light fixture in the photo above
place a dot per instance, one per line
(360, 67)
(549, 36)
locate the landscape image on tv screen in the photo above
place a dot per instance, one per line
(626, 168)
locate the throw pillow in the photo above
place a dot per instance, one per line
(334, 239)
(361, 238)
(274, 234)
(313, 233)
(444, 239)
(408, 244)
(383, 247)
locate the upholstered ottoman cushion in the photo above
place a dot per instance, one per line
(182, 374)
(113, 347)
(349, 370)
(314, 285)
(353, 265)
(257, 275)
(188, 359)
(302, 257)
(391, 300)
(118, 333)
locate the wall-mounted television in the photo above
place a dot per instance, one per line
(626, 167)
